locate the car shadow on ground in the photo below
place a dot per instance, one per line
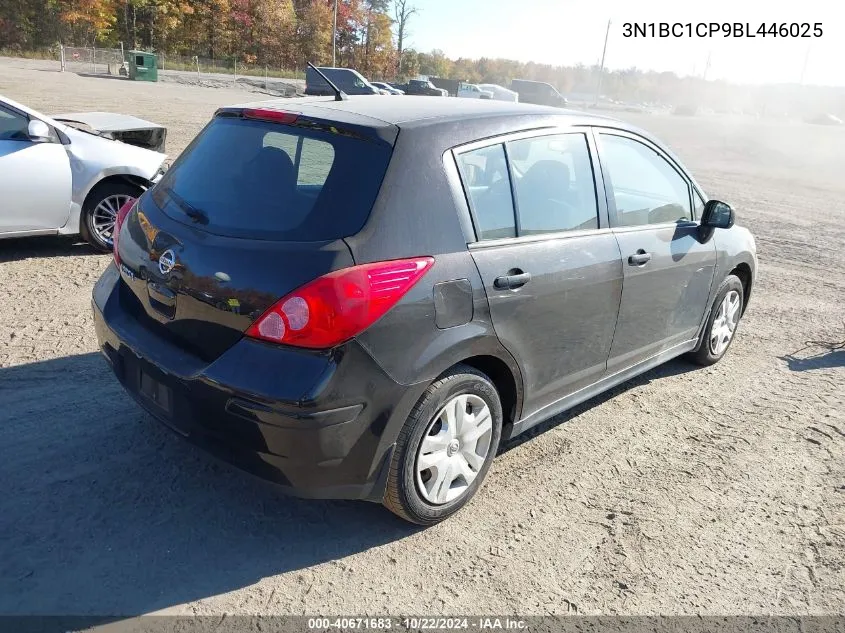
(106, 512)
(16, 249)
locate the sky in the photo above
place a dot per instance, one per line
(566, 32)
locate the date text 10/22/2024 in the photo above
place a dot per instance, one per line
(417, 623)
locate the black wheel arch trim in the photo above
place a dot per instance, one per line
(744, 259)
(129, 179)
(473, 352)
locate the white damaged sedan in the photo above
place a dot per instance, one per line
(70, 174)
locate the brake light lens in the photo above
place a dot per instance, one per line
(274, 116)
(340, 305)
(118, 222)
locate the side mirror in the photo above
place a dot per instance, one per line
(38, 131)
(717, 215)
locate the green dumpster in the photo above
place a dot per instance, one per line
(143, 66)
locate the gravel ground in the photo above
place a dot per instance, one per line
(686, 491)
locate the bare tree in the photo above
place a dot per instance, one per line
(402, 11)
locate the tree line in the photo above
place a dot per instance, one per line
(371, 36)
(281, 34)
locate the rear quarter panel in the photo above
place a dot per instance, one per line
(421, 210)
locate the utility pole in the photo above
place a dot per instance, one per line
(707, 66)
(334, 36)
(804, 67)
(601, 68)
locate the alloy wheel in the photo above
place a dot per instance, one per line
(724, 325)
(104, 216)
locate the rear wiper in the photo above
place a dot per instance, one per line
(191, 211)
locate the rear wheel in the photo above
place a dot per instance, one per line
(100, 212)
(445, 448)
(722, 322)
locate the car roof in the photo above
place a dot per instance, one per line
(444, 121)
(417, 111)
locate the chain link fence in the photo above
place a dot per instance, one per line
(219, 71)
(96, 61)
(189, 69)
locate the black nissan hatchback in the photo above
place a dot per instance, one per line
(360, 298)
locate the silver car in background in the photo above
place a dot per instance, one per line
(59, 179)
(500, 93)
(386, 87)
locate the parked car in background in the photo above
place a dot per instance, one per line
(347, 79)
(381, 85)
(824, 119)
(422, 87)
(500, 93)
(472, 91)
(449, 85)
(56, 178)
(538, 92)
(686, 109)
(365, 297)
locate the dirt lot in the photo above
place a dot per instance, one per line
(686, 491)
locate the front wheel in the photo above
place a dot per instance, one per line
(445, 448)
(722, 322)
(100, 212)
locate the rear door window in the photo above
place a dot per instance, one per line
(550, 179)
(553, 184)
(248, 178)
(485, 175)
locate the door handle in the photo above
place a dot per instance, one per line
(640, 258)
(512, 281)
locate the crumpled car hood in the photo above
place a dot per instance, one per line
(120, 127)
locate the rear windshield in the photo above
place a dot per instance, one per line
(247, 178)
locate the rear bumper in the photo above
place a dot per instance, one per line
(319, 424)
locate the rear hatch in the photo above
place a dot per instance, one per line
(255, 207)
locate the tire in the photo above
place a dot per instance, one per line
(713, 347)
(108, 194)
(407, 493)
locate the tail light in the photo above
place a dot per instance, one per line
(118, 222)
(337, 306)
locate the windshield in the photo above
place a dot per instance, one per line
(266, 180)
